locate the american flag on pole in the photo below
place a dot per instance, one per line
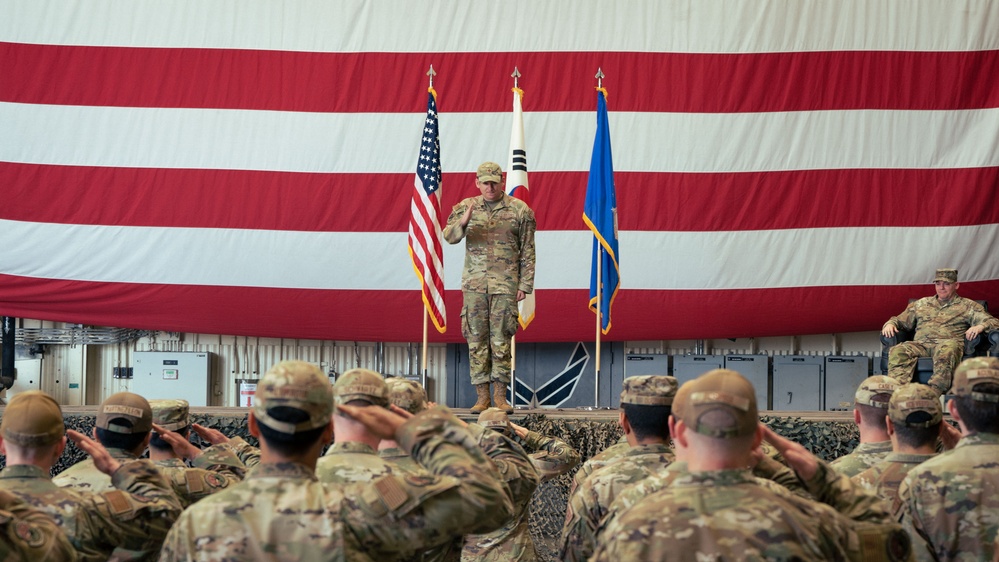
(782, 167)
(425, 239)
(516, 186)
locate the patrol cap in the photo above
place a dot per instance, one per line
(125, 406)
(32, 419)
(489, 171)
(911, 398)
(649, 390)
(495, 418)
(361, 384)
(297, 385)
(971, 372)
(949, 275)
(720, 403)
(172, 414)
(407, 394)
(878, 385)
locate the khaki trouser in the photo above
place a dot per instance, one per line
(946, 355)
(488, 322)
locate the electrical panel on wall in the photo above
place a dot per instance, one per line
(161, 374)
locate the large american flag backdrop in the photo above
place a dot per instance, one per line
(240, 167)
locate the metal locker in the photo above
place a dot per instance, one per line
(756, 368)
(689, 367)
(798, 382)
(843, 375)
(637, 364)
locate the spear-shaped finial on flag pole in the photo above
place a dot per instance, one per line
(599, 76)
(515, 75)
(431, 73)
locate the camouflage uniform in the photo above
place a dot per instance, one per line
(137, 515)
(885, 477)
(598, 461)
(940, 328)
(28, 534)
(282, 512)
(401, 461)
(352, 462)
(589, 503)
(85, 477)
(499, 261)
(551, 456)
(729, 514)
(511, 541)
(952, 499)
(863, 457)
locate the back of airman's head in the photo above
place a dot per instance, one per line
(978, 379)
(361, 384)
(297, 387)
(32, 419)
(720, 403)
(649, 390)
(915, 405)
(171, 414)
(875, 391)
(496, 419)
(407, 394)
(126, 413)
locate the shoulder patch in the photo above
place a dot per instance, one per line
(29, 534)
(194, 481)
(118, 502)
(391, 492)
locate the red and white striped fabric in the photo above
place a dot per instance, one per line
(782, 167)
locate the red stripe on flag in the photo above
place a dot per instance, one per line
(692, 314)
(678, 82)
(648, 200)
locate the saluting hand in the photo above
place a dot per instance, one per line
(467, 216)
(103, 460)
(181, 446)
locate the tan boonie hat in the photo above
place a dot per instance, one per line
(878, 385)
(911, 398)
(649, 390)
(298, 385)
(172, 414)
(974, 371)
(495, 418)
(489, 171)
(407, 394)
(361, 384)
(949, 275)
(126, 406)
(720, 403)
(32, 419)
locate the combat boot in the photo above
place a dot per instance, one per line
(482, 398)
(499, 397)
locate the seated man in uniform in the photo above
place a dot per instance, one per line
(940, 322)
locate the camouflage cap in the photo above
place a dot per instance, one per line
(32, 419)
(911, 398)
(298, 385)
(949, 275)
(361, 384)
(172, 414)
(720, 403)
(127, 407)
(871, 387)
(649, 390)
(407, 394)
(489, 171)
(974, 371)
(495, 418)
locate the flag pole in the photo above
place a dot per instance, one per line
(600, 309)
(596, 379)
(423, 358)
(513, 339)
